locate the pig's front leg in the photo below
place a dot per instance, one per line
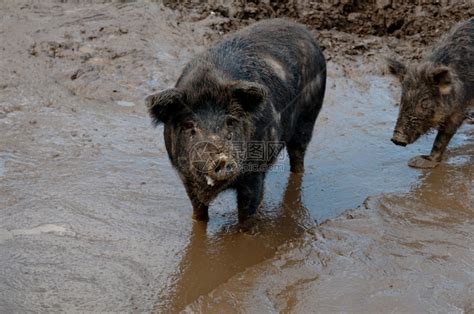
(200, 210)
(249, 194)
(445, 133)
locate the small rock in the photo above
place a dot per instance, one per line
(352, 17)
(76, 74)
(98, 61)
(383, 4)
(123, 103)
(86, 49)
(419, 11)
(33, 50)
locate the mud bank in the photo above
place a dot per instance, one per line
(93, 218)
(417, 23)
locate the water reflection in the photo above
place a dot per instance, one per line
(445, 194)
(211, 260)
(401, 251)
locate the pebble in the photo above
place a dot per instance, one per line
(123, 103)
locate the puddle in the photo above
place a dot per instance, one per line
(397, 251)
(94, 218)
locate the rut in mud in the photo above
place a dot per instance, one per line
(93, 217)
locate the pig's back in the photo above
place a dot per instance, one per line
(278, 53)
(456, 49)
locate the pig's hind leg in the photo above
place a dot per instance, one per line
(311, 101)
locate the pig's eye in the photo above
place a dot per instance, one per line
(189, 126)
(229, 136)
(231, 122)
(425, 105)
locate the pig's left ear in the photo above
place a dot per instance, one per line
(396, 68)
(251, 96)
(163, 105)
(442, 78)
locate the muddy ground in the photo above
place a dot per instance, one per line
(93, 218)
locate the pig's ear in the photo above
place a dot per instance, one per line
(251, 96)
(442, 78)
(396, 68)
(163, 105)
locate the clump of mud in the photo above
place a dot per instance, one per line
(377, 17)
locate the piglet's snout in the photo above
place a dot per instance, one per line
(399, 139)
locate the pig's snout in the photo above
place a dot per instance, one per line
(399, 139)
(223, 168)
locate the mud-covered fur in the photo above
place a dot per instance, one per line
(264, 84)
(437, 92)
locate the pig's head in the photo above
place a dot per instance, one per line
(205, 126)
(428, 92)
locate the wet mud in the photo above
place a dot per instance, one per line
(93, 217)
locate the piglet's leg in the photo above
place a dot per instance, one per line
(250, 195)
(445, 134)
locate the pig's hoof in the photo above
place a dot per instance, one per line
(422, 162)
(248, 224)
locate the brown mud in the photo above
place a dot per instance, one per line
(93, 217)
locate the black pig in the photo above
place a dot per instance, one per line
(236, 106)
(436, 93)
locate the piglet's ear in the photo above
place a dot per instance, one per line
(163, 105)
(396, 68)
(442, 78)
(251, 96)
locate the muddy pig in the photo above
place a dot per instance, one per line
(436, 92)
(236, 106)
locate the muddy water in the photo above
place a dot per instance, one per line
(93, 218)
(404, 253)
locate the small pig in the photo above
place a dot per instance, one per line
(436, 93)
(236, 106)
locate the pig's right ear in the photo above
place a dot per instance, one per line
(249, 95)
(396, 68)
(163, 105)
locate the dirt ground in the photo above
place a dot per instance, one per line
(93, 218)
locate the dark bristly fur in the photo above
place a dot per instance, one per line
(437, 92)
(263, 84)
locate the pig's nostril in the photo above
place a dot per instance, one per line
(223, 169)
(220, 166)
